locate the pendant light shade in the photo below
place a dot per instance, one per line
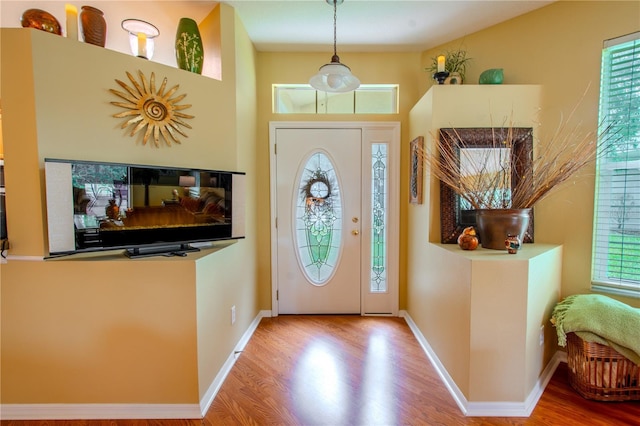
(334, 76)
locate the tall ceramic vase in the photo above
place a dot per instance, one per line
(189, 52)
(494, 225)
(94, 27)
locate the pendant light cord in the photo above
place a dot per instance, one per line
(334, 76)
(335, 37)
(335, 25)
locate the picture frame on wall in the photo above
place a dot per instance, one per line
(416, 170)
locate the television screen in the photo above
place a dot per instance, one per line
(147, 210)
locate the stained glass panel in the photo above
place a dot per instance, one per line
(318, 219)
(379, 201)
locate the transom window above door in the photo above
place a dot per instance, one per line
(304, 99)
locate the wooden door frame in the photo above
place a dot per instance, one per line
(388, 132)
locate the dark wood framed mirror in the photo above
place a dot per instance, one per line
(453, 217)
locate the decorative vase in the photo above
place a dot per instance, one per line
(94, 27)
(454, 78)
(189, 52)
(40, 20)
(494, 225)
(512, 244)
(492, 76)
(112, 210)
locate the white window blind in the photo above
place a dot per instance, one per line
(616, 251)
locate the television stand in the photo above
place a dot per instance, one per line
(167, 251)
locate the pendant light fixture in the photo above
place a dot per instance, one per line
(335, 76)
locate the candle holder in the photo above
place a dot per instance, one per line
(141, 37)
(441, 76)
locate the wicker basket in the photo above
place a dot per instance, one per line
(599, 372)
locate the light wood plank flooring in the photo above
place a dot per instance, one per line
(352, 370)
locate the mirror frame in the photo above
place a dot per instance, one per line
(453, 220)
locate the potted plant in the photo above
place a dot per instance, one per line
(455, 63)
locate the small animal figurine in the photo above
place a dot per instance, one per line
(468, 239)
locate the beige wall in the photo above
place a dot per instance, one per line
(105, 331)
(70, 116)
(559, 48)
(370, 68)
(480, 311)
(483, 106)
(152, 330)
(230, 278)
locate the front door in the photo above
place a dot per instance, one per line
(318, 202)
(335, 217)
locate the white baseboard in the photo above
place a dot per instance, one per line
(98, 411)
(211, 393)
(451, 386)
(486, 409)
(131, 411)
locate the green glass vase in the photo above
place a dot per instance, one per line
(189, 52)
(492, 76)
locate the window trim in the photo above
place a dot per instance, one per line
(320, 96)
(606, 167)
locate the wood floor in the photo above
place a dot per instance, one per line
(352, 370)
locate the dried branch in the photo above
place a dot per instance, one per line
(485, 183)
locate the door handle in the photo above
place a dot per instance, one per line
(355, 232)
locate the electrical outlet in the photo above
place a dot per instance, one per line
(233, 314)
(541, 335)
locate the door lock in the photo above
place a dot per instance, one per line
(354, 220)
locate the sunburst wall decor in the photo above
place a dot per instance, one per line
(155, 110)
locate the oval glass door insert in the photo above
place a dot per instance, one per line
(318, 219)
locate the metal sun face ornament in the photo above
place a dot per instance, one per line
(154, 110)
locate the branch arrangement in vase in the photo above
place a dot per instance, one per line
(484, 179)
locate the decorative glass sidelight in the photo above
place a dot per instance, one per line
(318, 219)
(379, 202)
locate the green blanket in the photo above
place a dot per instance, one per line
(600, 319)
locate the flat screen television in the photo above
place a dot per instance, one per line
(145, 210)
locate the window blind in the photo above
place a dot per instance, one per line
(616, 251)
